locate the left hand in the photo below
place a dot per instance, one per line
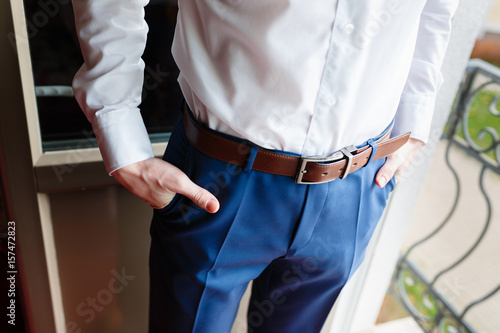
(398, 162)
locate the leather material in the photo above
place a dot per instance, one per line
(233, 152)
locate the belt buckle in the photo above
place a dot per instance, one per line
(346, 152)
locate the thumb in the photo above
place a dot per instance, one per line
(197, 194)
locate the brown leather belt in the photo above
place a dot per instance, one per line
(305, 170)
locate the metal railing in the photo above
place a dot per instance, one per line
(430, 308)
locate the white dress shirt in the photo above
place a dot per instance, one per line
(309, 77)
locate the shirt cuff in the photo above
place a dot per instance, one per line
(122, 138)
(415, 115)
(416, 106)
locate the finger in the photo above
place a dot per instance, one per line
(387, 171)
(398, 162)
(198, 195)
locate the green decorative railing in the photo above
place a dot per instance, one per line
(476, 135)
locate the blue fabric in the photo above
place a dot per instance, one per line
(300, 243)
(373, 144)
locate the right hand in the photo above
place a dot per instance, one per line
(156, 182)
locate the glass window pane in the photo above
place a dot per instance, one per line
(56, 57)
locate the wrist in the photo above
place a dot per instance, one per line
(133, 169)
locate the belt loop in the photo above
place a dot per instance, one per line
(251, 158)
(373, 144)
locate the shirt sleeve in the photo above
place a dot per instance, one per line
(417, 102)
(108, 86)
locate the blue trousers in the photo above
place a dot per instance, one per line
(298, 243)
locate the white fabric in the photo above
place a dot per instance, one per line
(307, 77)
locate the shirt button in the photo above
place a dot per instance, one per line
(349, 28)
(331, 101)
